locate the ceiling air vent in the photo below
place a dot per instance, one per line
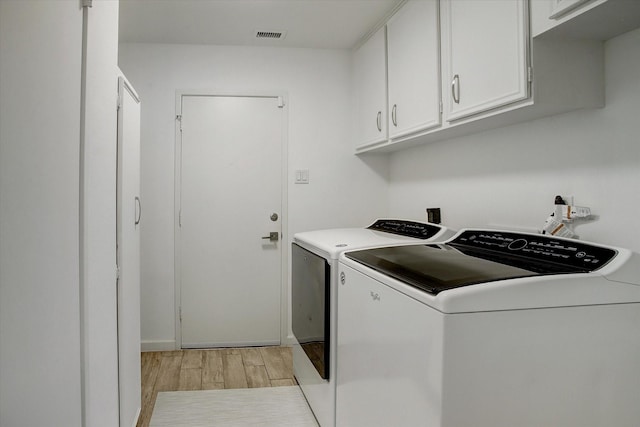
(272, 34)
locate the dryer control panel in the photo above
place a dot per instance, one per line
(418, 230)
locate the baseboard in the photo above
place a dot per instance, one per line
(230, 344)
(289, 340)
(168, 345)
(137, 417)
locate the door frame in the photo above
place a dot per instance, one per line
(284, 253)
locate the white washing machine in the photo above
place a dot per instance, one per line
(490, 329)
(314, 301)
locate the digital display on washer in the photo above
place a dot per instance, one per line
(436, 268)
(531, 248)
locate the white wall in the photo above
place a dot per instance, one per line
(344, 190)
(58, 348)
(509, 176)
(99, 217)
(40, 53)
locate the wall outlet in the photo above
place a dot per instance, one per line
(433, 215)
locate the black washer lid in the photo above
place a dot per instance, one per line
(475, 257)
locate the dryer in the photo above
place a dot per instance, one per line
(314, 276)
(491, 328)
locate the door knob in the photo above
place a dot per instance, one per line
(273, 236)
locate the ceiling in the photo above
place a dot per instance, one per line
(324, 24)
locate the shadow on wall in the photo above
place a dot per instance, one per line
(580, 140)
(378, 163)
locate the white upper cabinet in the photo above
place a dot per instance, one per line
(370, 80)
(584, 19)
(485, 55)
(413, 51)
(487, 72)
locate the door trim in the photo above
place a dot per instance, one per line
(284, 253)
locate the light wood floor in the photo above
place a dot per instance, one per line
(212, 369)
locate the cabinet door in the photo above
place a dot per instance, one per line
(370, 66)
(485, 55)
(413, 49)
(389, 356)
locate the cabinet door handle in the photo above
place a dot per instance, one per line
(138, 210)
(455, 89)
(379, 121)
(394, 112)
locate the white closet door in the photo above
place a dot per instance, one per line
(231, 198)
(128, 222)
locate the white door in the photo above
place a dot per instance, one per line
(370, 63)
(484, 51)
(413, 49)
(129, 211)
(230, 202)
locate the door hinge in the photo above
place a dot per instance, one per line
(180, 218)
(441, 107)
(119, 103)
(280, 102)
(179, 119)
(180, 313)
(530, 74)
(117, 272)
(87, 3)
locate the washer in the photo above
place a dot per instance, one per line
(314, 280)
(489, 329)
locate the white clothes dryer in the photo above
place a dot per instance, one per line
(314, 275)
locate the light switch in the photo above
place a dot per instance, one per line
(302, 176)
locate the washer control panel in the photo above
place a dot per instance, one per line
(582, 255)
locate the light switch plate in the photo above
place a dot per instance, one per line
(302, 176)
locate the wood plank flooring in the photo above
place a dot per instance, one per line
(246, 367)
